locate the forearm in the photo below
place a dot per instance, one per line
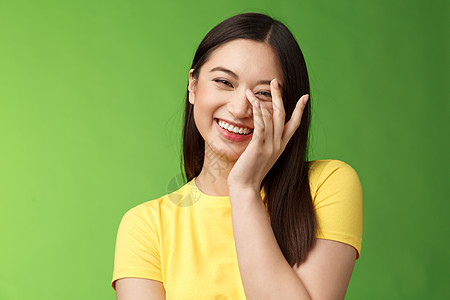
(265, 273)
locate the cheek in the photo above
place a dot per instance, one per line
(204, 110)
(208, 101)
(268, 105)
(203, 107)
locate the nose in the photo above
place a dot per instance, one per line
(239, 105)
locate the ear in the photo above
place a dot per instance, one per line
(191, 86)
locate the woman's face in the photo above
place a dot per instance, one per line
(219, 94)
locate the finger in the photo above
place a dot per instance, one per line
(268, 124)
(295, 120)
(258, 122)
(279, 114)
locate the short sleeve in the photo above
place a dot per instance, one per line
(337, 197)
(137, 251)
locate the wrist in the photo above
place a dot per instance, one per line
(243, 189)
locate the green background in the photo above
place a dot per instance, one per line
(91, 101)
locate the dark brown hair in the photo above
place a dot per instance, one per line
(286, 185)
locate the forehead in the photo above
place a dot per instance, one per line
(247, 58)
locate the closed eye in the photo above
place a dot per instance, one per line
(223, 81)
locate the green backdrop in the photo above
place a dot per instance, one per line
(91, 100)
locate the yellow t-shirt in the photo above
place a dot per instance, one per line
(185, 239)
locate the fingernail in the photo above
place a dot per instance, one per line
(249, 92)
(306, 99)
(275, 83)
(256, 103)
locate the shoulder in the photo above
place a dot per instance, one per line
(337, 196)
(327, 166)
(137, 251)
(164, 205)
(139, 219)
(144, 209)
(332, 173)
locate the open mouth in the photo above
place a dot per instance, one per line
(234, 129)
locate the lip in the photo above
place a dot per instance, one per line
(234, 137)
(234, 124)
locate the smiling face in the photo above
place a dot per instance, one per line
(218, 94)
(222, 112)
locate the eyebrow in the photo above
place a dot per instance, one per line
(236, 76)
(222, 69)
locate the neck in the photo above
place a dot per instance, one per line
(213, 178)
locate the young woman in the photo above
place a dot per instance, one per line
(255, 219)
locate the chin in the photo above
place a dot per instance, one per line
(233, 152)
(228, 151)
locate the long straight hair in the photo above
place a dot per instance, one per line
(286, 185)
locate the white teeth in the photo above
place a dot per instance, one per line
(232, 128)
